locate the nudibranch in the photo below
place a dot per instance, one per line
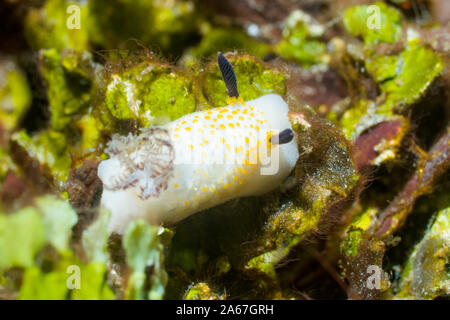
(169, 172)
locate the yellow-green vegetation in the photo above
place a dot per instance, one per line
(202, 291)
(151, 93)
(6, 164)
(351, 118)
(355, 231)
(226, 39)
(301, 39)
(36, 239)
(107, 25)
(46, 27)
(402, 78)
(38, 236)
(159, 22)
(49, 149)
(15, 95)
(68, 88)
(426, 274)
(144, 250)
(375, 23)
(254, 79)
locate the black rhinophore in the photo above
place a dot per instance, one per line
(284, 136)
(228, 75)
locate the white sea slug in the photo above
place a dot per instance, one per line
(203, 159)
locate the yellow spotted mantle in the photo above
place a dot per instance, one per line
(218, 155)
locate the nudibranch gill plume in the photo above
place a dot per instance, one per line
(169, 172)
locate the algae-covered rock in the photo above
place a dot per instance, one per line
(144, 250)
(159, 23)
(68, 279)
(426, 274)
(149, 92)
(225, 39)
(402, 78)
(63, 24)
(28, 227)
(36, 240)
(15, 94)
(301, 39)
(48, 148)
(402, 82)
(71, 79)
(375, 23)
(202, 291)
(6, 164)
(362, 257)
(254, 79)
(58, 24)
(68, 87)
(152, 92)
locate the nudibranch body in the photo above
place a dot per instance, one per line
(203, 159)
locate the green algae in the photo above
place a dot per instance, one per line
(223, 40)
(158, 23)
(375, 23)
(402, 78)
(38, 285)
(146, 93)
(168, 96)
(143, 250)
(117, 100)
(15, 94)
(301, 40)
(152, 93)
(57, 285)
(49, 149)
(426, 274)
(93, 283)
(68, 91)
(58, 220)
(22, 235)
(356, 230)
(47, 27)
(25, 232)
(402, 82)
(6, 164)
(254, 80)
(95, 239)
(202, 291)
(351, 118)
(27, 240)
(91, 133)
